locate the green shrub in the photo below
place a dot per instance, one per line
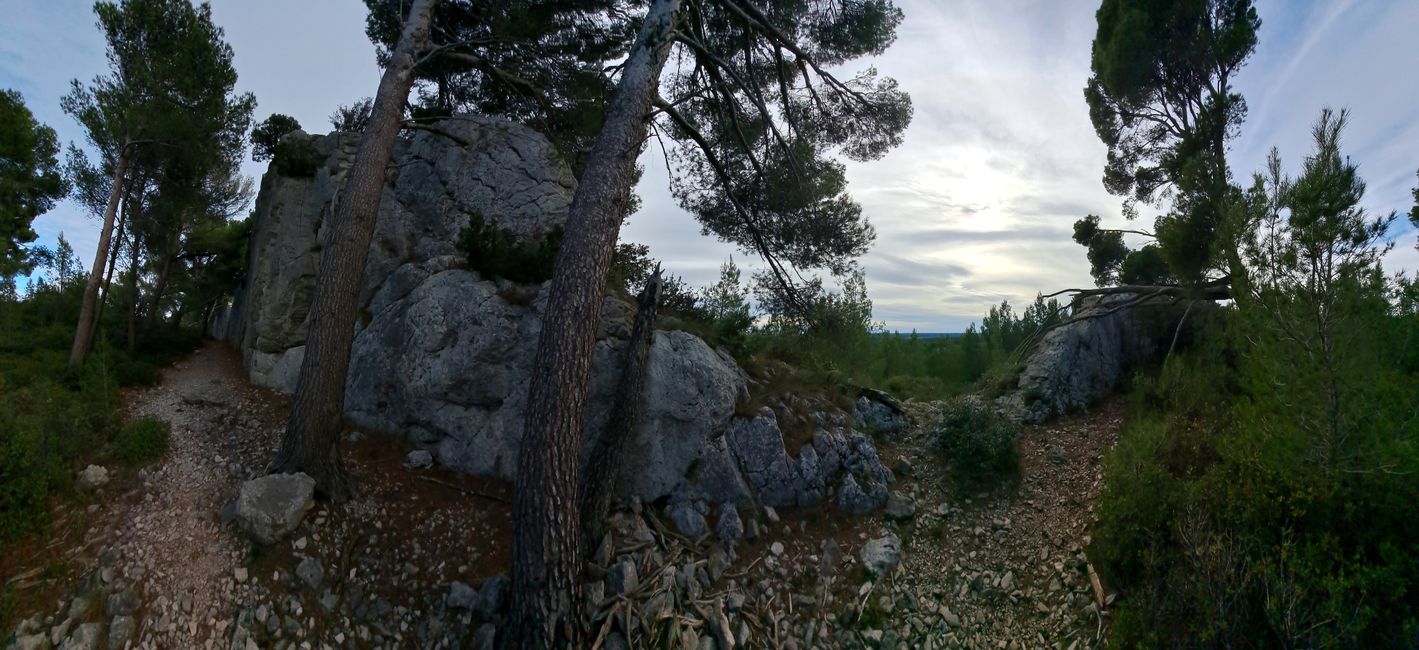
(978, 441)
(297, 157)
(141, 441)
(497, 253)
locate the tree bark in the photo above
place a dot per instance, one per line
(162, 283)
(84, 332)
(133, 291)
(311, 440)
(604, 467)
(126, 206)
(546, 603)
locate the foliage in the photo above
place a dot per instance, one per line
(495, 252)
(352, 118)
(55, 418)
(536, 63)
(979, 442)
(758, 123)
(267, 134)
(30, 182)
(141, 441)
(1160, 99)
(1260, 493)
(297, 158)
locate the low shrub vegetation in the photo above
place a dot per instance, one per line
(141, 441)
(978, 441)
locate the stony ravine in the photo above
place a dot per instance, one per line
(417, 559)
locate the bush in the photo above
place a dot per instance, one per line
(978, 441)
(141, 441)
(497, 253)
(297, 157)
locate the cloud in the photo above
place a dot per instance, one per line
(977, 204)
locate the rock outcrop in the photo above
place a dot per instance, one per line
(442, 355)
(1078, 364)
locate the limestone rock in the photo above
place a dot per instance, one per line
(882, 554)
(93, 477)
(270, 507)
(1077, 364)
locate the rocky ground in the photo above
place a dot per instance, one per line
(416, 560)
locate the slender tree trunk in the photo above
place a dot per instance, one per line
(162, 284)
(83, 333)
(126, 206)
(604, 468)
(547, 554)
(133, 298)
(311, 440)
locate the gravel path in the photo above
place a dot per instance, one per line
(413, 560)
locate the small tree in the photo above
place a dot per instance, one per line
(30, 181)
(267, 135)
(1161, 100)
(353, 117)
(169, 100)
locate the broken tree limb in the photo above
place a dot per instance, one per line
(604, 467)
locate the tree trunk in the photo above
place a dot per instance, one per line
(133, 292)
(604, 467)
(84, 332)
(113, 255)
(546, 602)
(161, 285)
(311, 440)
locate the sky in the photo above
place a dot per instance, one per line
(978, 203)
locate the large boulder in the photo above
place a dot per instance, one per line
(1076, 365)
(442, 355)
(270, 507)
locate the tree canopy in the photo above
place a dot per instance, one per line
(1161, 100)
(535, 62)
(30, 180)
(267, 134)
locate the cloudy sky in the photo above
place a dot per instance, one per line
(974, 208)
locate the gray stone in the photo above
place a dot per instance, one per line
(270, 507)
(84, 637)
(120, 630)
(729, 528)
(882, 554)
(689, 517)
(900, 507)
(879, 414)
(419, 459)
(491, 595)
(31, 642)
(122, 601)
(311, 573)
(460, 596)
(853, 499)
(93, 477)
(757, 445)
(622, 578)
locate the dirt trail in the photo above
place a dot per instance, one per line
(153, 566)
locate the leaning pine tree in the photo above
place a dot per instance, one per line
(743, 91)
(311, 441)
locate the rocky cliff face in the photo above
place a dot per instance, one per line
(442, 355)
(1078, 364)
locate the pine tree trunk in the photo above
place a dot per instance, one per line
(311, 440)
(113, 256)
(133, 298)
(84, 332)
(161, 285)
(604, 467)
(547, 555)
